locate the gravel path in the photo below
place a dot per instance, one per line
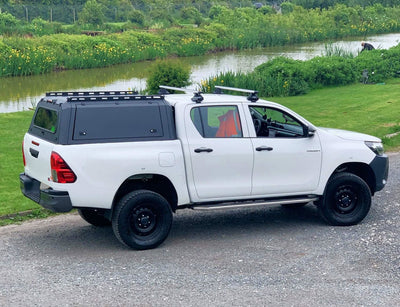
(266, 256)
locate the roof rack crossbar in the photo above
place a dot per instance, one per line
(252, 93)
(91, 93)
(172, 88)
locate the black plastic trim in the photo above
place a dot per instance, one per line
(380, 167)
(56, 201)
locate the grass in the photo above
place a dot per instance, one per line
(13, 126)
(24, 216)
(371, 109)
(368, 108)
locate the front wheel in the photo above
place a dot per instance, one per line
(142, 219)
(346, 201)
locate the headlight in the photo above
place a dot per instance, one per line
(377, 148)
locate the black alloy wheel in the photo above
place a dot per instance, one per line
(142, 219)
(346, 201)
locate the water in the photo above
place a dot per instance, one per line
(22, 93)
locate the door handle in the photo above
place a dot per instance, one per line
(34, 153)
(203, 149)
(262, 148)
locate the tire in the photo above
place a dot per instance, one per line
(142, 219)
(95, 217)
(346, 201)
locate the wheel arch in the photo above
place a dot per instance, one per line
(153, 182)
(362, 170)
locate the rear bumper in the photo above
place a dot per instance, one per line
(56, 201)
(380, 167)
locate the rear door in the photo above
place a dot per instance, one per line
(221, 157)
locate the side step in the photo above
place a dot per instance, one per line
(253, 203)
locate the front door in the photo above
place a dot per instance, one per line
(286, 161)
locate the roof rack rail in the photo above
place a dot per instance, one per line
(197, 98)
(252, 94)
(113, 98)
(92, 93)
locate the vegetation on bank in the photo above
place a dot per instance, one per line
(223, 28)
(367, 108)
(287, 77)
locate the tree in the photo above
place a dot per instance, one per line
(192, 15)
(92, 13)
(287, 7)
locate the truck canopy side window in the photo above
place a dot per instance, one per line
(217, 122)
(270, 122)
(46, 119)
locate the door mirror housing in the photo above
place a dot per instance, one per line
(309, 131)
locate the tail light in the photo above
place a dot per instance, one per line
(60, 171)
(23, 154)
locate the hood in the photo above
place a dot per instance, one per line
(350, 135)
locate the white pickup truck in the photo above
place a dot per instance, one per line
(131, 161)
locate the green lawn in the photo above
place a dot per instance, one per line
(13, 126)
(371, 109)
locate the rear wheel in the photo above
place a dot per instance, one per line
(95, 217)
(142, 219)
(346, 201)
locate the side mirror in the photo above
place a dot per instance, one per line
(308, 131)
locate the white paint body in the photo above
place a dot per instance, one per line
(234, 170)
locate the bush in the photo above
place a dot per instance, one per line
(332, 70)
(285, 77)
(266, 9)
(375, 64)
(7, 20)
(161, 18)
(7, 23)
(167, 73)
(216, 11)
(136, 16)
(189, 41)
(392, 61)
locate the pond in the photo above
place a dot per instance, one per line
(22, 93)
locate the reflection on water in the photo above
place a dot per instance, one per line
(21, 93)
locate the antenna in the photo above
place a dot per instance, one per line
(252, 94)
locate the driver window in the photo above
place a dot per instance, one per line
(269, 122)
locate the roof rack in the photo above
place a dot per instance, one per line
(252, 94)
(197, 98)
(92, 93)
(113, 98)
